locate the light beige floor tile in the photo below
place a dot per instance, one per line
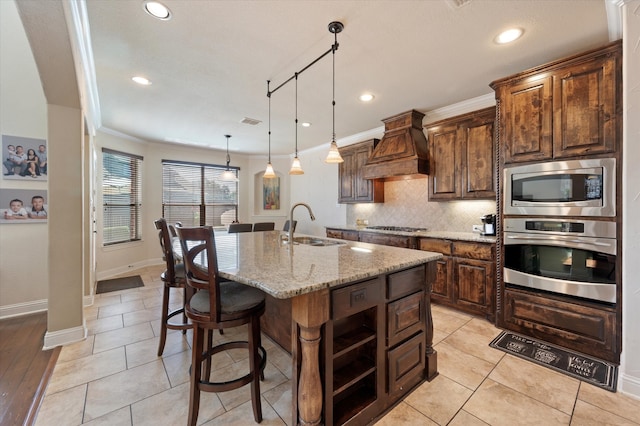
(547, 386)
(123, 336)
(439, 399)
(586, 414)
(482, 327)
(231, 399)
(105, 299)
(100, 325)
(280, 359)
(439, 336)
(445, 322)
(465, 419)
(147, 350)
(475, 344)
(497, 404)
(152, 302)
(141, 294)
(121, 417)
(76, 350)
(404, 414)
(177, 367)
(62, 408)
(243, 416)
(120, 308)
(462, 367)
(443, 309)
(279, 398)
(617, 403)
(83, 370)
(145, 315)
(171, 407)
(124, 388)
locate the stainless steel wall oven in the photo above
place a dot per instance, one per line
(576, 188)
(576, 258)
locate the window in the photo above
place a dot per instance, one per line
(195, 194)
(121, 197)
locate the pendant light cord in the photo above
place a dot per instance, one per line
(269, 96)
(333, 101)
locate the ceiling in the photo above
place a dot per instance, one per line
(210, 62)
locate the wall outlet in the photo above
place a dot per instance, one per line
(476, 228)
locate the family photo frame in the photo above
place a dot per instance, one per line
(24, 158)
(19, 206)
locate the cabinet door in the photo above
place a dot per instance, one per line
(443, 163)
(585, 113)
(474, 285)
(346, 175)
(526, 113)
(478, 158)
(388, 240)
(442, 286)
(353, 187)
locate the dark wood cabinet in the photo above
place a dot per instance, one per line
(462, 156)
(376, 344)
(465, 276)
(388, 240)
(567, 108)
(352, 186)
(343, 234)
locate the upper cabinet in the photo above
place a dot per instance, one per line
(353, 187)
(462, 156)
(568, 108)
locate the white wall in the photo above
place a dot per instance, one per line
(629, 377)
(24, 279)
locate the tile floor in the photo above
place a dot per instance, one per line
(115, 378)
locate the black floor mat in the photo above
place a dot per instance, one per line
(116, 284)
(583, 367)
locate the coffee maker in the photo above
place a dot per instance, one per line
(488, 224)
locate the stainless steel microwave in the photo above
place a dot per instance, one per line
(572, 188)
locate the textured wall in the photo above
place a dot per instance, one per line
(406, 204)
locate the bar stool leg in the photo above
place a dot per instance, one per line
(254, 361)
(163, 321)
(196, 371)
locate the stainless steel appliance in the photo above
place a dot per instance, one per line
(488, 224)
(570, 257)
(574, 188)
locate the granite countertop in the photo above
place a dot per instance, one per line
(447, 235)
(265, 261)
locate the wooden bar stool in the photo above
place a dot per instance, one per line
(217, 304)
(173, 277)
(240, 227)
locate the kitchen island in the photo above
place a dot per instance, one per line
(361, 320)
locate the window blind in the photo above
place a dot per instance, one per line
(121, 197)
(195, 194)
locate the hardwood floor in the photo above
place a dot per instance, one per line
(24, 367)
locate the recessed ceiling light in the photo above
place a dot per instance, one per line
(306, 124)
(157, 10)
(509, 35)
(366, 97)
(141, 80)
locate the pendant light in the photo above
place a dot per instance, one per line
(269, 173)
(334, 154)
(296, 167)
(228, 175)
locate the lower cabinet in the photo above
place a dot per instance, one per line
(343, 234)
(374, 346)
(465, 277)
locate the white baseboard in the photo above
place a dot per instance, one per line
(110, 273)
(25, 308)
(64, 337)
(629, 385)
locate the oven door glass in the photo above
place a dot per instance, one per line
(571, 187)
(563, 263)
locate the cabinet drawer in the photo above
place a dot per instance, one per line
(334, 233)
(474, 250)
(404, 318)
(406, 282)
(406, 363)
(439, 246)
(356, 297)
(350, 235)
(387, 240)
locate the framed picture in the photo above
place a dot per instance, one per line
(271, 194)
(24, 158)
(23, 206)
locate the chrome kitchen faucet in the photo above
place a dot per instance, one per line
(291, 230)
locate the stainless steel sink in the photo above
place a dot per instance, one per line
(314, 241)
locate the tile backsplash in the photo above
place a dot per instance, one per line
(406, 204)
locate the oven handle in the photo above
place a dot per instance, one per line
(555, 240)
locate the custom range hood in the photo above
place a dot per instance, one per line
(402, 153)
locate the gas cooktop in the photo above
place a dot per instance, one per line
(396, 228)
